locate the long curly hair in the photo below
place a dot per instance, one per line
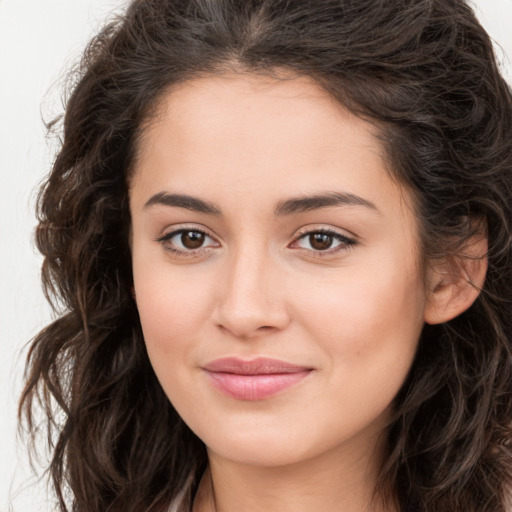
(424, 72)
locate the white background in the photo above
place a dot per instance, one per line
(38, 40)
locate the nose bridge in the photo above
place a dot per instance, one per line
(250, 301)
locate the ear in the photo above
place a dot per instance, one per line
(456, 281)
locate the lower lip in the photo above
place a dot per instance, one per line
(255, 387)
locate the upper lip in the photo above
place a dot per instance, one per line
(258, 366)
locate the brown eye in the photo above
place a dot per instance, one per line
(192, 239)
(183, 241)
(320, 241)
(324, 241)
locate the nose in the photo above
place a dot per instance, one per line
(252, 299)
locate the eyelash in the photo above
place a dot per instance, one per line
(345, 242)
(189, 253)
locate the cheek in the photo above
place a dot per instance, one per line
(367, 326)
(173, 307)
(367, 320)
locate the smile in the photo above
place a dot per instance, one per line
(256, 379)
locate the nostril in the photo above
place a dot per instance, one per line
(244, 331)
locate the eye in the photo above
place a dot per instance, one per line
(187, 240)
(323, 240)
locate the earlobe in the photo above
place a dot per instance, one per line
(456, 282)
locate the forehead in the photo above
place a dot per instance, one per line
(253, 118)
(237, 138)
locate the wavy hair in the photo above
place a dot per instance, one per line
(424, 72)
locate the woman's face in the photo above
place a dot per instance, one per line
(276, 269)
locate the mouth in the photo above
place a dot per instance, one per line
(256, 379)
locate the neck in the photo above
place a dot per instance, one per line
(329, 483)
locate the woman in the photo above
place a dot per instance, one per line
(281, 235)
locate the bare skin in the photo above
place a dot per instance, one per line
(265, 224)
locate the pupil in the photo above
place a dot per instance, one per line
(320, 241)
(192, 239)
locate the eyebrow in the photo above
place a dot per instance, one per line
(308, 203)
(290, 206)
(183, 201)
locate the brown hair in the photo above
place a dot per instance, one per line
(424, 71)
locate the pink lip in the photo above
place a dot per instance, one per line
(256, 379)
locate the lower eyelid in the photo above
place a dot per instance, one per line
(186, 254)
